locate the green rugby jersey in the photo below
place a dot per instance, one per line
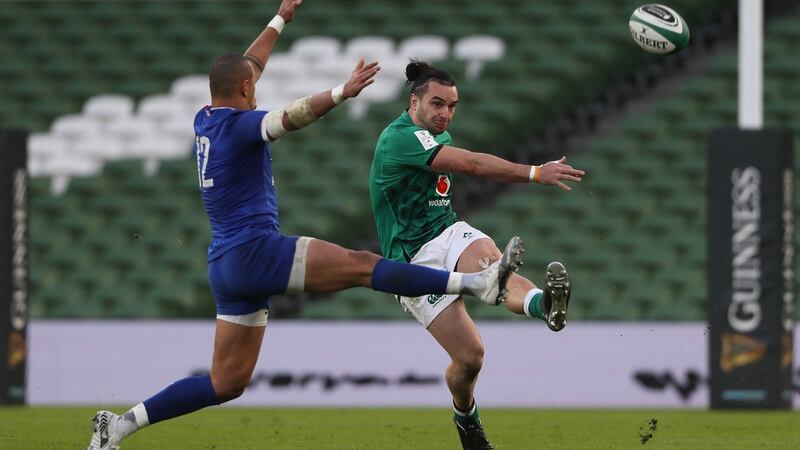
(411, 204)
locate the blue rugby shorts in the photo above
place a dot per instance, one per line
(246, 276)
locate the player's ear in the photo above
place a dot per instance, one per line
(413, 101)
(244, 87)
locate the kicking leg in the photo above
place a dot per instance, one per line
(236, 349)
(330, 267)
(522, 296)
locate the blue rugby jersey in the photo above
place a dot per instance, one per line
(235, 175)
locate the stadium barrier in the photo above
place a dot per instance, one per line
(751, 277)
(13, 265)
(333, 364)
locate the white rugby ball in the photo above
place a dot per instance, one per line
(658, 29)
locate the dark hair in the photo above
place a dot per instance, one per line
(227, 72)
(419, 73)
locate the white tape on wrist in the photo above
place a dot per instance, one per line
(277, 23)
(337, 94)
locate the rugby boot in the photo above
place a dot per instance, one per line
(497, 273)
(473, 437)
(555, 299)
(104, 431)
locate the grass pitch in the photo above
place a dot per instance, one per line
(280, 428)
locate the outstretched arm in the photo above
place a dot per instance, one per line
(305, 111)
(458, 160)
(259, 51)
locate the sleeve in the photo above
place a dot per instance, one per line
(415, 148)
(249, 126)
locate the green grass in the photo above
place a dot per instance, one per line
(240, 428)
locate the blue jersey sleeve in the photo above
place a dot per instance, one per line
(248, 126)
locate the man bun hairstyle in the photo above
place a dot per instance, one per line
(419, 73)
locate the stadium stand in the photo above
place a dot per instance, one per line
(118, 228)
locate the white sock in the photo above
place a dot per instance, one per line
(528, 297)
(130, 422)
(455, 283)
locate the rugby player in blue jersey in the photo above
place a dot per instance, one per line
(249, 259)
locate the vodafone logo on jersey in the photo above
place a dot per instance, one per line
(443, 186)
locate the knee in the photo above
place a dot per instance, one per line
(364, 261)
(230, 387)
(472, 362)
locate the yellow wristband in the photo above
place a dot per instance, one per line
(534, 176)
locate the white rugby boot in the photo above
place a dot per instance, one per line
(104, 429)
(496, 275)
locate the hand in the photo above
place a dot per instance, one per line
(554, 172)
(363, 75)
(287, 9)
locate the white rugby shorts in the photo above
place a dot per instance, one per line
(440, 253)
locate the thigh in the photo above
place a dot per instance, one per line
(478, 254)
(330, 267)
(236, 349)
(456, 332)
(485, 250)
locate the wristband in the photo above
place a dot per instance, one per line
(534, 175)
(337, 94)
(277, 23)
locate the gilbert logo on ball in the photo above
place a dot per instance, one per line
(658, 29)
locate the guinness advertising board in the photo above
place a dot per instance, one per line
(13, 265)
(751, 278)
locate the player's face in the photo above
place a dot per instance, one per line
(434, 111)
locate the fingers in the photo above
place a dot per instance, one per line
(563, 186)
(367, 71)
(569, 178)
(364, 68)
(564, 168)
(359, 65)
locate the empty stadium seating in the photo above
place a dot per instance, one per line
(115, 85)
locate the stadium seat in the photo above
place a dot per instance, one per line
(314, 48)
(477, 51)
(131, 128)
(371, 48)
(161, 107)
(425, 48)
(100, 148)
(74, 127)
(108, 107)
(192, 89)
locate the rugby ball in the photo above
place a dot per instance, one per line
(658, 29)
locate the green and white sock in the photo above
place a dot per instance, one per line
(533, 304)
(467, 417)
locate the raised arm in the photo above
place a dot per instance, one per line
(305, 111)
(259, 51)
(458, 160)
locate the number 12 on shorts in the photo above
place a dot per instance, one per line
(203, 153)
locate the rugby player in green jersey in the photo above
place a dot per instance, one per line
(410, 190)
